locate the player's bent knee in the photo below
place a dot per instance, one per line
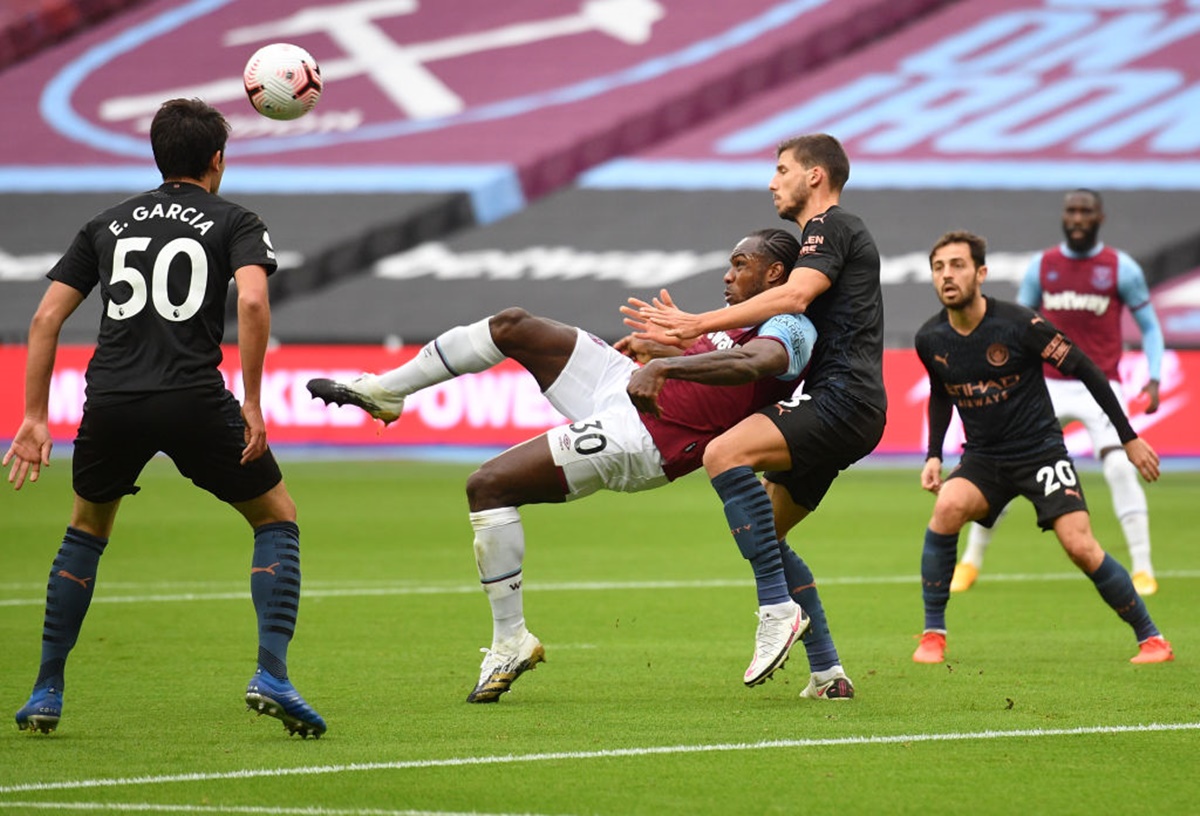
(273, 506)
(721, 455)
(508, 324)
(950, 516)
(1087, 554)
(485, 491)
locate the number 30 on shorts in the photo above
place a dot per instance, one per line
(1061, 475)
(588, 437)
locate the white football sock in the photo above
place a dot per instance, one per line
(979, 538)
(1129, 503)
(461, 350)
(499, 554)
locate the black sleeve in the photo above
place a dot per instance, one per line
(251, 245)
(940, 407)
(825, 245)
(1057, 350)
(79, 267)
(940, 410)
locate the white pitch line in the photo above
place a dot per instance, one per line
(562, 586)
(612, 753)
(147, 807)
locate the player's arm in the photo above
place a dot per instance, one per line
(802, 287)
(643, 350)
(254, 333)
(761, 357)
(31, 445)
(647, 341)
(1134, 292)
(1058, 351)
(940, 411)
(1029, 293)
(782, 349)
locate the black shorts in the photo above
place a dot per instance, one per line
(201, 429)
(824, 437)
(1048, 480)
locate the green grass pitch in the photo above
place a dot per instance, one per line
(646, 610)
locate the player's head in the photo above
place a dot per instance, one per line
(958, 262)
(186, 135)
(804, 164)
(1082, 215)
(761, 260)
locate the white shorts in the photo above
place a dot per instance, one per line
(593, 379)
(1073, 402)
(607, 447)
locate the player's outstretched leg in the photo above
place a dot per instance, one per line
(461, 350)
(364, 391)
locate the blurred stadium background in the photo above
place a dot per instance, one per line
(563, 155)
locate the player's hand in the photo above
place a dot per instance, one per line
(647, 331)
(1151, 392)
(29, 452)
(644, 386)
(642, 349)
(634, 348)
(1144, 458)
(931, 475)
(677, 323)
(256, 433)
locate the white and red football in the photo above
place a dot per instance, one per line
(283, 81)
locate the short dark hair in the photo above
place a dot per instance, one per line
(184, 135)
(779, 245)
(820, 150)
(1088, 191)
(977, 244)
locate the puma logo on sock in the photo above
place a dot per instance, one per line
(83, 582)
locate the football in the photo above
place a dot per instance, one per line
(283, 81)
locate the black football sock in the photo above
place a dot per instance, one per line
(818, 642)
(937, 568)
(1116, 588)
(68, 596)
(752, 523)
(275, 590)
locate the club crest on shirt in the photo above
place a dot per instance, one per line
(997, 354)
(1102, 277)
